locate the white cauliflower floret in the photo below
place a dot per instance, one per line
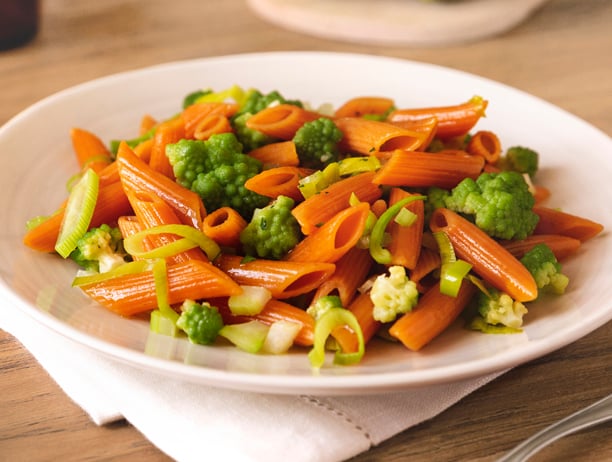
(502, 309)
(393, 295)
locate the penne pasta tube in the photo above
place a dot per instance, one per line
(281, 121)
(166, 133)
(561, 246)
(554, 221)
(433, 313)
(351, 271)
(367, 137)
(486, 144)
(405, 241)
(90, 151)
(364, 105)
(284, 279)
(224, 226)
(335, 238)
(212, 124)
(278, 154)
(488, 258)
(316, 210)
(193, 114)
(130, 294)
(138, 177)
(423, 169)
(278, 181)
(456, 120)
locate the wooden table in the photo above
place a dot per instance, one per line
(562, 54)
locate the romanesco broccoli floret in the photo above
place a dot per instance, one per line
(436, 198)
(393, 295)
(545, 269)
(192, 97)
(322, 304)
(255, 101)
(100, 249)
(216, 169)
(316, 142)
(201, 322)
(499, 203)
(520, 159)
(273, 231)
(498, 308)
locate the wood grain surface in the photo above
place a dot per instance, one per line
(561, 54)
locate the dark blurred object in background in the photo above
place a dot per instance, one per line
(18, 22)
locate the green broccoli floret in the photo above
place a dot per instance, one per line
(499, 203)
(255, 101)
(393, 295)
(497, 308)
(201, 322)
(192, 97)
(316, 142)
(436, 199)
(273, 231)
(100, 249)
(216, 169)
(520, 159)
(545, 269)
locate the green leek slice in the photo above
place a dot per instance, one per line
(78, 213)
(332, 318)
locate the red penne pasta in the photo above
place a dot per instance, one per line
(90, 151)
(362, 307)
(554, 221)
(335, 238)
(278, 154)
(278, 181)
(488, 258)
(193, 114)
(364, 105)
(561, 246)
(486, 144)
(456, 120)
(405, 241)
(212, 124)
(135, 293)
(316, 210)
(166, 133)
(423, 169)
(431, 316)
(284, 279)
(351, 271)
(224, 226)
(370, 137)
(281, 121)
(138, 177)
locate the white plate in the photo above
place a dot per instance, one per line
(576, 166)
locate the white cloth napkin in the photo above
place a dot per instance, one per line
(182, 418)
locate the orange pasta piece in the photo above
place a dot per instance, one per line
(212, 124)
(151, 212)
(112, 203)
(224, 226)
(135, 293)
(364, 105)
(540, 194)
(137, 176)
(362, 307)
(317, 209)
(144, 149)
(90, 150)
(424, 169)
(284, 279)
(561, 246)
(192, 115)
(405, 241)
(336, 237)
(486, 144)
(147, 122)
(456, 120)
(275, 310)
(351, 271)
(429, 261)
(278, 181)
(166, 133)
(433, 314)
(427, 126)
(554, 221)
(371, 137)
(281, 121)
(278, 154)
(488, 258)
(129, 225)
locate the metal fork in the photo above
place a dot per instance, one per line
(596, 413)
